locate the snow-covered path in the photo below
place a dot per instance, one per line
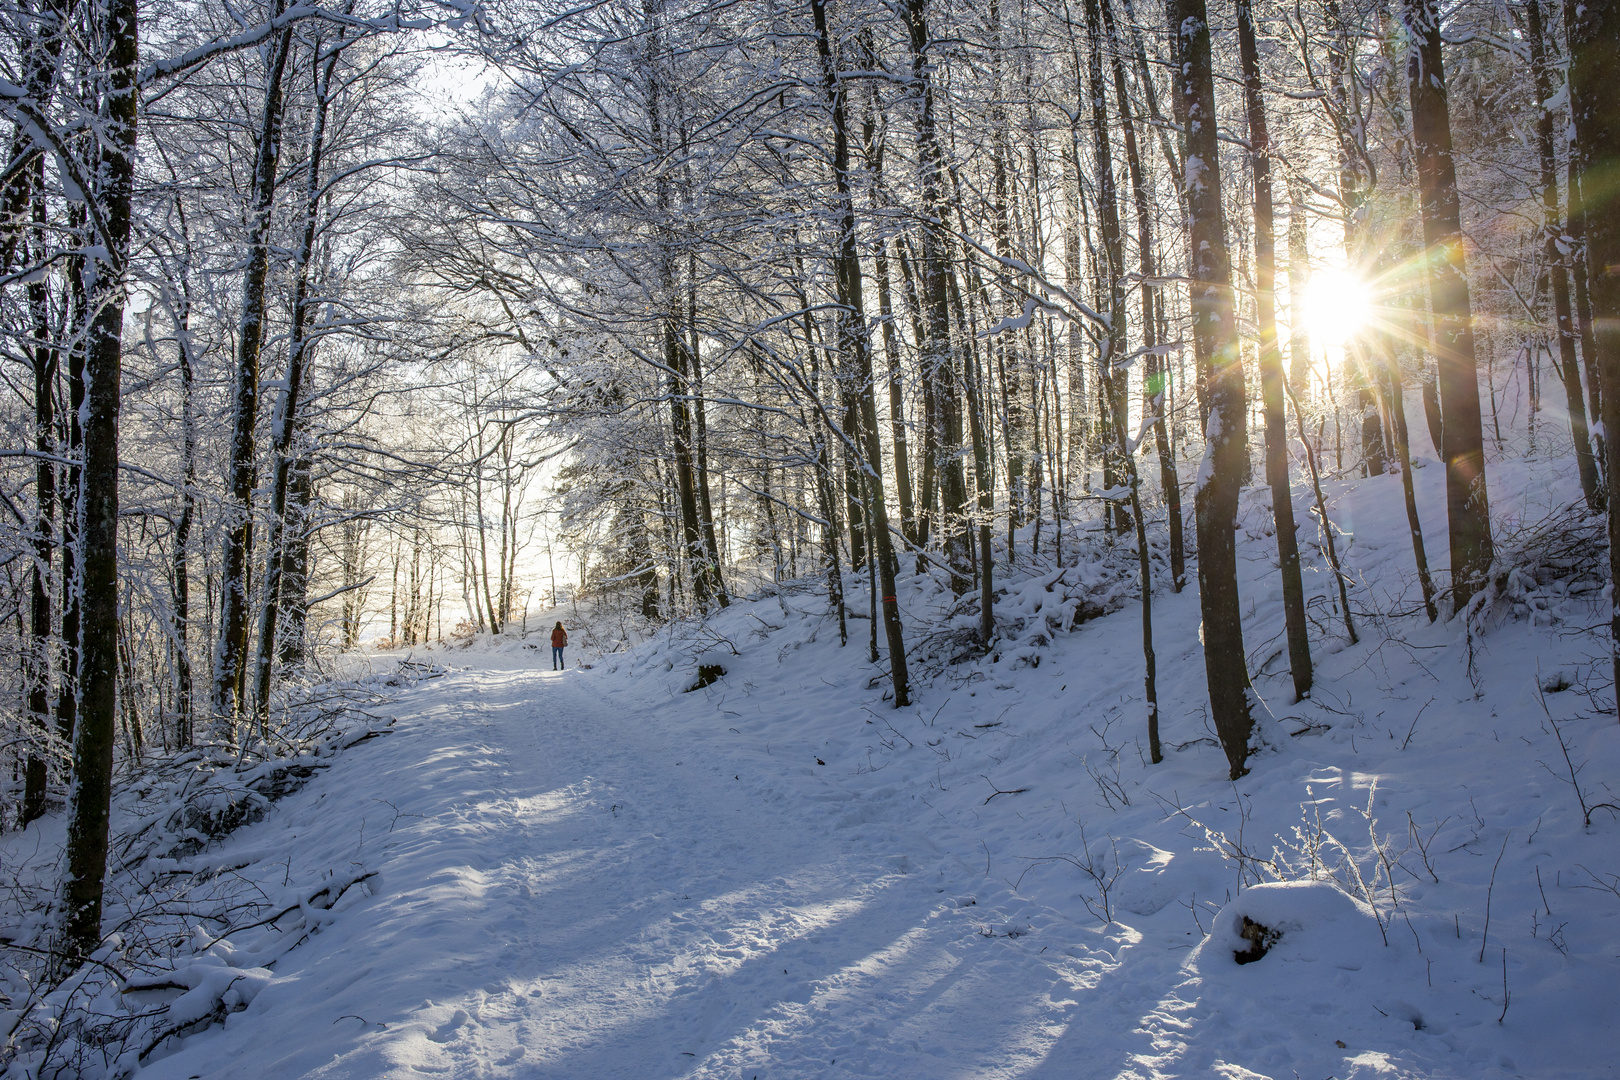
(591, 874)
(562, 892)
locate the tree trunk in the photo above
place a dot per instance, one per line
(1594, 45)
(67, 698)
(37, 658)
(1271, 365)
(180, 567)
(855, 347)
(1220, 383)
(1555, 266)
(939, 361)
(1462, 441)
(986, 507)
(700, 446)
(1112, 374)
(1401, 437)
(681, 430)
(1078, 448)
(230, 662)
(285, 421)
(897, 412)
(1154, 396)
(98, 661)
(927, 491)
(294, 594)
(1575, 229)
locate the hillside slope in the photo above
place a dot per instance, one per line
(594, 873)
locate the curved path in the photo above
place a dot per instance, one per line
(563, 892)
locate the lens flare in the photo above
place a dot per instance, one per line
(1338, 306)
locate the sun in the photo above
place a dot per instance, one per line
(1338, 306)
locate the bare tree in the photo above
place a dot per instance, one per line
(1220, 386)
(1462, 441)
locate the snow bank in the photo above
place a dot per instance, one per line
(1285, 923)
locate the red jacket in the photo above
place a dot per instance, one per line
(559, 638)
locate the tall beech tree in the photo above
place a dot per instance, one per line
(286, 419)
(105, 269)
(1594, 52)
(231, 654)
(941, 366)
(1219, 356)
(1462, 442)
(1271, 365)
(1555, 265)
(855, 344)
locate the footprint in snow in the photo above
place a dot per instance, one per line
(457, 1021)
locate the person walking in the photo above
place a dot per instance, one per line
(559, 638)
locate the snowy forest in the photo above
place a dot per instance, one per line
(841, 374)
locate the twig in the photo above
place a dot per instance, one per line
(1488, 891)
(1569, 762)
(1415, 719)
(1322, 514)
(997, 791)
(1423, 844)
(1507, 995)
(1103, 877)
(1612, 885)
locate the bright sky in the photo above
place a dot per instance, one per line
(449, 79)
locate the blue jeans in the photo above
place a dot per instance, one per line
(556, 657)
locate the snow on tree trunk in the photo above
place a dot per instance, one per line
(1220, 386)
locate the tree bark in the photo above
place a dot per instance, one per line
(1220, 383)
(700, 446)
(230, 658)
(1112, 374)
(986, 507)
(285, 421)
(1575, 229)
(1555, 266)
(98, 659)
(855, 347)
(1271, 365)
(1594, 44)
(928, 486)
(294, 593)
(180, 565)
(897, 409)
(1462, 440)
(37, 659)
(72, 495)
(1154, 391)
(874, 145)
(939, 360)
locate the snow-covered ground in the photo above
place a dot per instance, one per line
(568, 887)
(592, 874)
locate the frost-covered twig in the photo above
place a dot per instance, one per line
(1572, 770)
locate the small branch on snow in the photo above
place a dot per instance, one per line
(994, 791)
